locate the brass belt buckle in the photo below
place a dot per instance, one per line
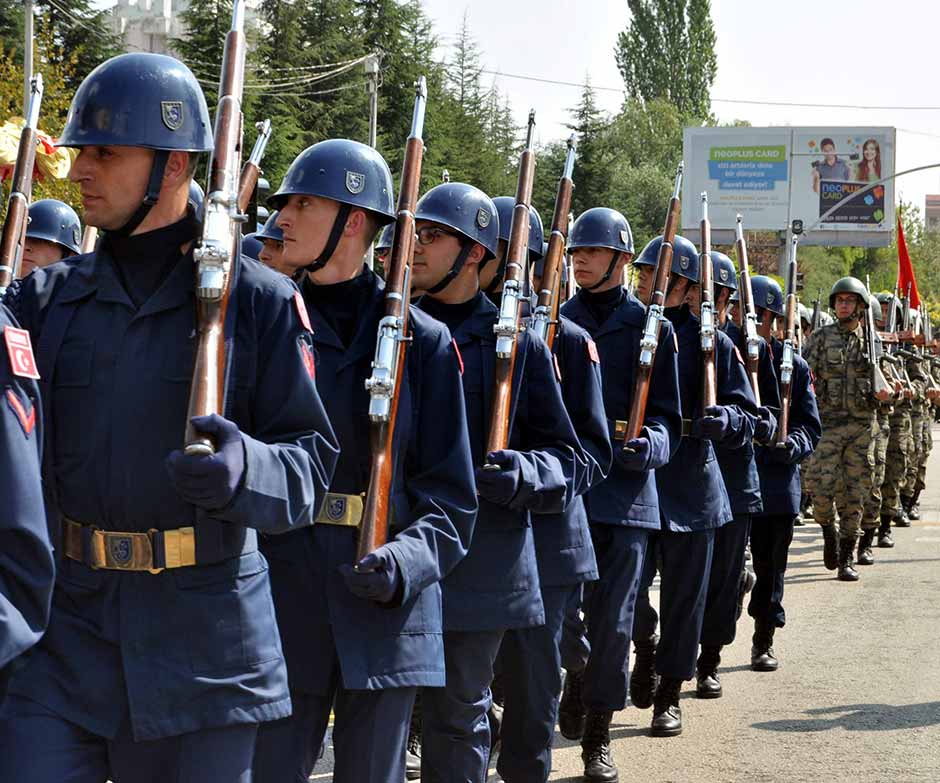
(620, 430)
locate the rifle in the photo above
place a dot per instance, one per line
(545, 317)
(89, 239)
(746, 313)
(252, 168)
(391, 347)
(707, 313)
(655, 307)
(786, 360)
(817, 312)
(13, 237)
(879, 383)
(507, 325)
(217, 249)
(445, 174)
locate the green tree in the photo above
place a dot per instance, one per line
(592, 174)
(668, 51)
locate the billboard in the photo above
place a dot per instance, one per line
(773, 176)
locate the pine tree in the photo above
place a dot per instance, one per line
(591, 174)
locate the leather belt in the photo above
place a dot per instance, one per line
(152, 551)
(340, 509)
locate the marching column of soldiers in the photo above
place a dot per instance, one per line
(173, 613)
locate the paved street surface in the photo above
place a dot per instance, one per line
(857, 697)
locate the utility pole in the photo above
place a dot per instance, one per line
(27, 53)
(371, 65)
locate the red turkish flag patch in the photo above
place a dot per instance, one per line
(27, 418)
(592, 352)
(20, 351)
(307, 355)
(302, 311)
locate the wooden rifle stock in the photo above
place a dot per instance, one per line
(251, 171)
(707, 313)
(391, 349)
(216, 250)
(13, 237)
(649, 341)
(747, 316)
(506, 327)
(789, 342)
(545, 317)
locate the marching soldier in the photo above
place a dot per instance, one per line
(162, 599)
(920, 427)
(362, 637)
(53, 233)
(623, 510)
(739, 473)
(272, 244)
(842, 467)
(252, 246)
(779, 468)
(693, 500)
(493, 270)
(496, 588)
(384, 244)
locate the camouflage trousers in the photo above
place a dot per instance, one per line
(842, 473)
(899, 446)
(914, 479)
(879, 451)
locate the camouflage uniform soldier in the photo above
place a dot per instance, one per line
(842, 469)
(920, 421)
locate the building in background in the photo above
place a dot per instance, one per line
(150, 25)
(932, 213)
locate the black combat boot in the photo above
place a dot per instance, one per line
(599, 766)
(762, 648)
(830, 547)
(914, 511)
(413, 747)
(571, 709)
(643, 678)
(905, 519)
(884, 534)
(847, 572)
(707, 684)
(667, 715)
(865, 556)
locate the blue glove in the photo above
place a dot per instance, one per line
(786, 454)
(766, 427)
(375, 578)
(713, 425)
(635, 454)
(210, 482)
(500, 486)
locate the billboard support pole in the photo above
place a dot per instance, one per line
(783, 262)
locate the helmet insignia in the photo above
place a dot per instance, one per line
(483, 218)
(770, 297)
(723, 275)
(625, 236)
(683, 262)
(172, 114)
(355, 182)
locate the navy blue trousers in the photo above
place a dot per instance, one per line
(608, 608)
(770, 545)
(685, 561)
(39, 746)
(530, 661)
(724, 582)
(370, 732)
(455, 732)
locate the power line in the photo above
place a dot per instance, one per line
(747, 101)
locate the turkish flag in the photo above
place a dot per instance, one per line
(906, 270)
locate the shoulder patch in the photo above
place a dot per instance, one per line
(302, 311)
(306, 355)
(20, 351)
(453, 342)
(26, 418)
(592, 352)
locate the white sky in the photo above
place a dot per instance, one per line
(864, 52)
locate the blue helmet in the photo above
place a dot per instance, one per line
(601, 227)
(767, 294)
(271, 230)
(685, 261)
(464, 208)
(263, 213)
(197, 197)
(385, 239)
(252, 246)
(504, 208)
(723, 271)
(55, 222)
(346, 171)
(139, 100)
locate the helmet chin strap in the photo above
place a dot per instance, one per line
(614, 258)
(157, 169)
(456, 267)
(336, 233)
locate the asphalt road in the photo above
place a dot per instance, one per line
(857, 696)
